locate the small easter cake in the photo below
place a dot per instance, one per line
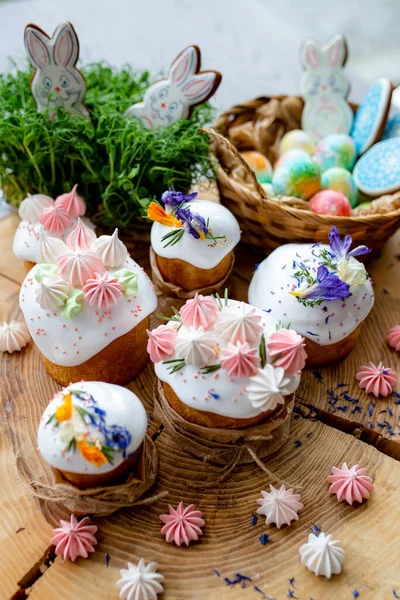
(323, 291)
(193, 240)
(92, 433)
(87, 305)
(40, 213)
(224, 364)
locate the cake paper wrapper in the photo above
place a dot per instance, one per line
(170, 294)
(99, 501)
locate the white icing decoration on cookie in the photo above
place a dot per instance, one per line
(195, 346)
(217, 392)
(203, 254)
(32, 207)
(266, 389)
(111, 250)
(122, 407)
(325, 324)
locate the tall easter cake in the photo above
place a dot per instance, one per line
(87, 305)
(323, 291)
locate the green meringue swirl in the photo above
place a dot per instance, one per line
(73, 305)
(128, 280)
(45, 270)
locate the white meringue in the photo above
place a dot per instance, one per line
(240, 324)
(140, 582)
(111, 250)
(49, 249)
(195, 346)
(322, 555)
(279, 506)
(267, 388)
(32, 207)
(13, 336)
(53, 292)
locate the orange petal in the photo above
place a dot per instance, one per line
(92, 454)
(155, 212)
(64, 412)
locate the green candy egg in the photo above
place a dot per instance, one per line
(299, 178)
(335, 150)
(341, 180)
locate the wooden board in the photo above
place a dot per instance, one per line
(230, 543)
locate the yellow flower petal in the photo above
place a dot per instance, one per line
(64, 412)
(92, 454)
(155, 212)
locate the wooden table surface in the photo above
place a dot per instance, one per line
(333, 423)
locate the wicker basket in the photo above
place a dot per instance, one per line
(266, 222)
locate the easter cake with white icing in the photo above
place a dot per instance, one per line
(323, 291)
(192, 239)
(223, 363)
(87, 305)
(93, 433)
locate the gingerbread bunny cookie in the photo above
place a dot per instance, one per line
(56, 81)
(325, 88)
(173, 98)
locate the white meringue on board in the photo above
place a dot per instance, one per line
(322, 555)
(13, 336)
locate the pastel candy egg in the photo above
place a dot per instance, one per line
(268, 189)
(259, 164)
(330, 202)
(300, 178)
(297, 138)
(335, 150)
(341, 180)
(295, 154)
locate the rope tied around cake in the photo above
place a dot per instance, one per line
(99, 501)
(224, 449)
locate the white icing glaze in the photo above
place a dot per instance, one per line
(325, 324)
(217, 392)
(203, 254)
(122, 408)
(72, 342)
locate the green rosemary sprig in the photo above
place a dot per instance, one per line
(280, 325)
(175, 317)
(52, 418)
(72, 445)
(263, 352)
(176, 364)
(173, 237)
(217, 297)
(327, 259)
(308, 302)
(226, 298)
(210, 369)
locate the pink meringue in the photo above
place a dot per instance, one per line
(182, 525)
(352, 485)
(78, 267)
(102, 291)
(161, 344)
(286, 350)
(377, 380)
(394, 338)
(279, 506)
(240, 360)
(81, 238)
(73, 204)
(200, 311)
(54, 219)
(74, 538)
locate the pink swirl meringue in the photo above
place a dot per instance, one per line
(161, 344)
(286, 350)
(279, 506)
(200, 311)
(72, 204)
(74, 538)
(376, 380)
(78, 267)
(394, 338)
(81, 238)
(182, 525)
(240, 360)
(352, 485)
(54, 219)
(102, 291)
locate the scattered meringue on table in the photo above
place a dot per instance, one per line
(376, 380)
(279, 506)
(393, 338)
(13, 336)
(74, 538)
(141, 581)
(183, 524)
(352, 485)
(322, 555)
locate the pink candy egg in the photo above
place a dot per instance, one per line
(330, 202)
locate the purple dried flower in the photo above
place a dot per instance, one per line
(173, 199)
(193, 223)
(327, 286)
(341, 248)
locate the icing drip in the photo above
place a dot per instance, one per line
(240, 360)
(267, 389)
(54, 219)
(182, 525)
(286, 350)
(394, 338)
(81, 238)
(49, 248)
(78, 267)
(140, 582)
(74, 538)
(199, 311)
(53, 292)
(195, 346)
(32, 207)
(111, 250)
(279, 506)
(73, 204)
(161, 344)
(13, 336)
(352, 485)
(102, 291)
(242, 324)
(322, 555)
(376, 380)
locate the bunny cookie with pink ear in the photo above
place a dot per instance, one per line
(56, 82)
(325, 88)
(173, 98)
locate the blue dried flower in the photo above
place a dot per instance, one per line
(327, 286)
(341, 248)
(173, 199)
(119, 437)
(193, 223)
